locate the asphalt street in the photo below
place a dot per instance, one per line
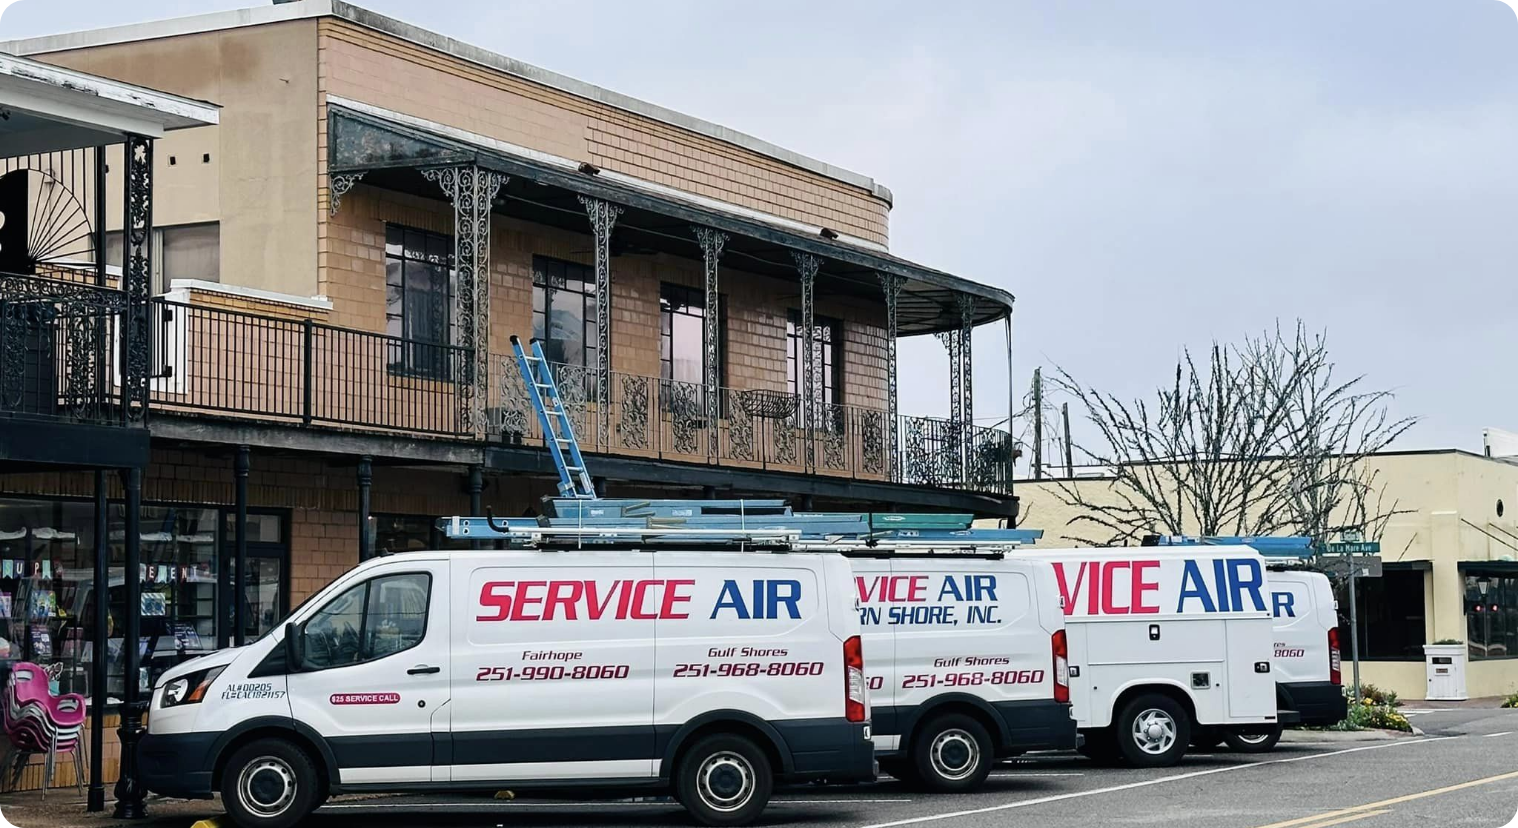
(1463, 772)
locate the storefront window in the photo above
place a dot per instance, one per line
(1491, 614)
(47, 600)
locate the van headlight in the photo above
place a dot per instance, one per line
(189, 689)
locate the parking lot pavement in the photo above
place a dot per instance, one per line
(1463, 773)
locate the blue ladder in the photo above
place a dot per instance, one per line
(558, 431)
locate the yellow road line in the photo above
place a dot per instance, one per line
(1315, 820)
(1350, 818)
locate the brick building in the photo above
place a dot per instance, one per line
(337, 266)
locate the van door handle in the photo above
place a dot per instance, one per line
(423, 670)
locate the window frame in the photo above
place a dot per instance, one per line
(363, 628)
(1468, 575)
(159, 282)
(586, 276)
(832, 376)
(402, 351)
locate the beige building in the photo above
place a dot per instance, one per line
(1453, 540)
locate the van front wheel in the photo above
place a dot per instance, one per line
(724, 780)
(269, 783)
(1153, 731)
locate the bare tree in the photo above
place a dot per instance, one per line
(1259, 439)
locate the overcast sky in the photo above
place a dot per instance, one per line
(1143, 175)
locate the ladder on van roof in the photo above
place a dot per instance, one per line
(1266, 545)
(558, 431)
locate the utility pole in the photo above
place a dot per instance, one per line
(1064, 412)
(1038, 424)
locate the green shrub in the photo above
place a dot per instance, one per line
(1511, 700)
(1368, 714)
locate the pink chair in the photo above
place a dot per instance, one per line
(37, 722)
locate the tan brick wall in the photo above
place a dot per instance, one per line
(383, 70)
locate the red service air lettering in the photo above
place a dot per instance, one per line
(641, 599)
(893, 589)
(1101, 586)
(365, 698)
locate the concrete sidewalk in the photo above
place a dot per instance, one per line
(64, 809)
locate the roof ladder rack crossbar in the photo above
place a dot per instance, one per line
(558, 430)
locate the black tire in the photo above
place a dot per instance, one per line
(1153, 731)
(1262, 742)
(724, 779)
(270, 783)
(952, 753)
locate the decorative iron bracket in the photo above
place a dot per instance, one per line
(603, 219)
(338, 185)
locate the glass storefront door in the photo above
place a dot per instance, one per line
(265, 597)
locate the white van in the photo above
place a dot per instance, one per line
(1162, 640)
(1307, 658)
(711, 674)
(966, 658)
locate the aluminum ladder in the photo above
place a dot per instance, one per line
(558, 431)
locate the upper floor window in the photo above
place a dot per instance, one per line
(564, 310)
(682, 335)
(184, 251)
(419, 308)
(827, 341)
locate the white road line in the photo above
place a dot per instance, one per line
(1014, 774)
(1146, 783)
(1493, 735)
(365, 806)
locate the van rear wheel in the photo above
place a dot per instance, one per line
(1153, 731)
(724, 779)
(1257, 742)
(952, 753)
(269, 783)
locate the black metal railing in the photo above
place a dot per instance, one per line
(60, 350)
(235, 362)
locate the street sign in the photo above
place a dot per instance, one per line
(1359, 548)
(1363, 566)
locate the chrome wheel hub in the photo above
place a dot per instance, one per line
(266, 786)
(725, 781)
(955, 754)
(1154, 731)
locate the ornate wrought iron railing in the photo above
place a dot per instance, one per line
(59, 357)
(60, 350)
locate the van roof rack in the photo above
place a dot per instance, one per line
(1270, 546)
(694, 521)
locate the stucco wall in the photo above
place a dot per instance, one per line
(261, 179)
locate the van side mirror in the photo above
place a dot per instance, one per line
(295, 647)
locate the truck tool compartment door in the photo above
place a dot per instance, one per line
(554, 673)
(376, 673)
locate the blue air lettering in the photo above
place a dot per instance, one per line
(1234, 586)
(766, 600)
(1284, 604)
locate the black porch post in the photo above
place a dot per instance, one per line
(136, 275)
(477, 496)
(129, 793)
(966, 387)
(890, 284)
(101, 631)
(240, 546)
(807, 266)
(365, 478)
(603, 217)
(712, 242)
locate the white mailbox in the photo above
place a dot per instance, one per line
(1446, 671)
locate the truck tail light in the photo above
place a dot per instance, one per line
(1335, 671)
(1061, 667)
(856, 706)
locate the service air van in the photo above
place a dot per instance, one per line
(1163, 640)
(710, 674)
(967, 663)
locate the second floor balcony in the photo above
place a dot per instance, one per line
(238, 364)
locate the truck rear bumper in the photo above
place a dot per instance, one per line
(1315, 702)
